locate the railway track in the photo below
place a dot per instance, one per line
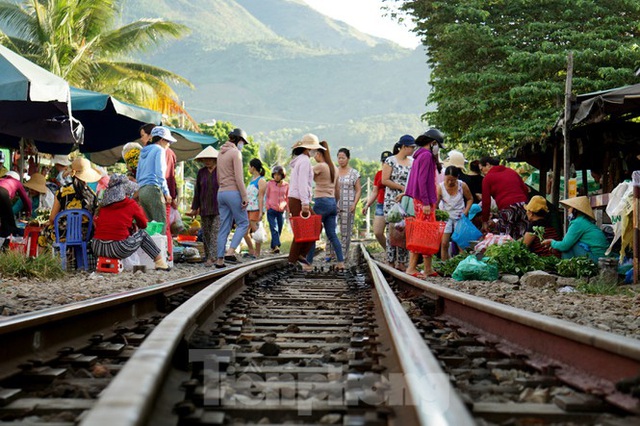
(261, 343)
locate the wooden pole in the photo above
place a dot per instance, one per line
(542, 180)
(555, 183)
(566, 129)
(21, 160)
(367, 216)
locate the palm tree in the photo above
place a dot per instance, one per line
(76, 40)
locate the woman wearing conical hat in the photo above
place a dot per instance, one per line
(41, 196)
(583, 237)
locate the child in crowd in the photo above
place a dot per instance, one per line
(255, 207)
(277, 196)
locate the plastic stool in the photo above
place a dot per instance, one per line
(110, 265)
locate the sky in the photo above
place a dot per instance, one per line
(367, 16)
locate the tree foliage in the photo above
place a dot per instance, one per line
(221, 130)
(78, 40)
(499, 66)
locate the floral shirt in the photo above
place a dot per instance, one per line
(253, 190)
(399, 175)
(75, 195)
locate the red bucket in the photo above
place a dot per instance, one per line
(423, 236)
(306, 229)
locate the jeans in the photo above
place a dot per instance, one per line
(276, 220)
(230, 208)
(327, 208)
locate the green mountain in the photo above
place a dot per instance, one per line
(278, 69)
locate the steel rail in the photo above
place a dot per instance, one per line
(589, 359)
(41, 334)
(125, 404)
(429, 387)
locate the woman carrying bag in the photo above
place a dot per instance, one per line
(421, 186)
(300, 193)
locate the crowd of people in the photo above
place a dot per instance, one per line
(412, 177)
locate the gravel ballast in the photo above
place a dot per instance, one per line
(619, 314)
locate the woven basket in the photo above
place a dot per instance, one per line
(306, 229)
(423, 236)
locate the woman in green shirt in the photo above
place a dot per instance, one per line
(583, 237)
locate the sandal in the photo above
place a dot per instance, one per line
(231, 258)
(418, 275)
(434, 274)
(219, 266)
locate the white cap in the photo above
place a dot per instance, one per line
(164, 133)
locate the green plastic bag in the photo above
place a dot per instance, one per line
(473, 269)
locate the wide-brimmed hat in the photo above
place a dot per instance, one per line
(38, 183)
(308, 141)
(537, 203)
(455, 158)
(63, 160)
(81, 168)
(582, 204)
(120, 188)
(208, 152)
(163, 133)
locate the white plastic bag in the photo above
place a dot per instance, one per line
(620, 205)
(260, 235)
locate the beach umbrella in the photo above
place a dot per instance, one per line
(189, 144)
(34, 104)
(109, 122)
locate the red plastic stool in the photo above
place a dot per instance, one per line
(109, 265)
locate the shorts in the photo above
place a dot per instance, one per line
(451, 226)
(254, 215)
(379, 209)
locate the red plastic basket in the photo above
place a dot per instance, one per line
(423, 236)
(306, 229)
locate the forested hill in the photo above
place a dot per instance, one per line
(280, 69)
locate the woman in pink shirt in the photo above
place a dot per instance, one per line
(10, 185)
(300, 192)
(277, 195)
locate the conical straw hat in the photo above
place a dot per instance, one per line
(582, 204)
(208, 152)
